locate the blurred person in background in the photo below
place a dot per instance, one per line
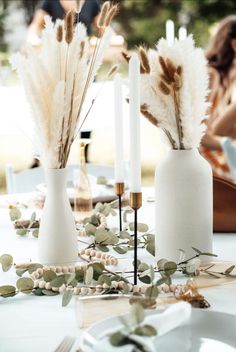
(218, 143)
(57, 9)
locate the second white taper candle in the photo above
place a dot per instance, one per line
(134, 109)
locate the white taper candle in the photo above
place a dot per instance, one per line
(170, 32)
(182, 33)
(134, 106)
(119, 139)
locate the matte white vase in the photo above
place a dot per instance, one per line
(184, 204)
(57, 232)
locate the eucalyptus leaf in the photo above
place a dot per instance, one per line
(170, 268)
(6, 260)
(137, 313)
(124, 235)
(90, 229)
(197, 250)
(143, 267)
(50, 292)
(104, 279)
(79, 275)
(118, 339)
(120, 249)
(66, 298)
(15, 214)
(229, 270)
(101, 236)
(7, 291)
(152, 273)
(49, 275)
(58, 281)
(161, 263)
(88, 278)
(209, 254)
(38, 291)
(34, 266)
(140, 227)
(145, 330)
(102, 248)
(20, 272)
(192, 265)
(152, 292)
(35, 233)
(33, 217)
(69, 278)
(25, 285)
(150, 247)
(145, 279)
(21, 232)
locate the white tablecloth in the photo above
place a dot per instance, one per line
(29, 323)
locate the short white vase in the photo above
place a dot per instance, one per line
(184, 204)
(57, 232)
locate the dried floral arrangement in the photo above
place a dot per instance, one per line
(57, 78)
(174, 88)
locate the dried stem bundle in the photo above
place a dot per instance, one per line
(56, 82)
(174, 87)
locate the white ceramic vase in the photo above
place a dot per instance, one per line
(184, 204)
(57, 232)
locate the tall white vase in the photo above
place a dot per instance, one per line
(57, 232)
(184, 204)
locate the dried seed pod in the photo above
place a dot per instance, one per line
(179, 70)
(104, 10)
(69, 26)
(164, 88)
(177, 83)
(144, 59)
(126, 56)
(112, 71)
(111, 13)
(82, 45)
(165, 79)
(148, 115)
(170, 67)
(165, 69)
(59, 33)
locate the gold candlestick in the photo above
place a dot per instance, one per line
(135, 203)
(119, 191)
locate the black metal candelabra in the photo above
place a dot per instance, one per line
(135, 203)
(119, 191)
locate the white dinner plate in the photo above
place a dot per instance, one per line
(208, 331)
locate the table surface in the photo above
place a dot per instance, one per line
(30, 323)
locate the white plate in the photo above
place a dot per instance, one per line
(208, 331)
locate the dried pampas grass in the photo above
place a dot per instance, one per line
(56, 81)
(174, 87)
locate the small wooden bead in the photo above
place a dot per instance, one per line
(87, 251)
(78, 267)
(135, 288)
(93, 253)
(62, 288)
(45, 268)
(121, 284)
(53, 268)
(58, 269)
(91, 290)
(104, 256)
(65, 269)
(76, 290)
(98, 254)
(105, 286)
(165, 288)
(84, 290)
(114, 284)
(36, 275)
(48, 286)
(172, 288)
(36, 283)
(99, 288)
(71, 269)
(82, 251)
(108, 262)
(42, 284)
(56, 289)
(40, 271)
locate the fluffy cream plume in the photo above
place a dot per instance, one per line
(56, 80)
(175, 91)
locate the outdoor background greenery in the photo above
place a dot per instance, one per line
(143, 21)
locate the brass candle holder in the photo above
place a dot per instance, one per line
(119, 191)
(135, 203)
